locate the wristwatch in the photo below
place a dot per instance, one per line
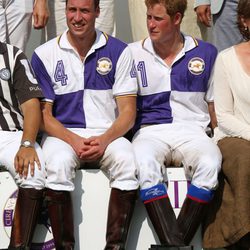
(27, 144)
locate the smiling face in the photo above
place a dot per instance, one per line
(81, 15)
(161, 26)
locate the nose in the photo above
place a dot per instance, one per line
(77, 16)
(151, 23)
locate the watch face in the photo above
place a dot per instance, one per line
(26, 144)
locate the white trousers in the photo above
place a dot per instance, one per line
(156, 146)
(118, 162)
(9, 145)
(15, 22)
(57, 20)
(105, 22)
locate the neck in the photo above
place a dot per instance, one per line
(82, 44)
(169, 49)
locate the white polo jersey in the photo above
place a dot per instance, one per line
(178, 93)
(83, 92)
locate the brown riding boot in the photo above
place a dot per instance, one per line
(61, 218)
(190, 218)
(162, 215)
(28, 206)
(192, 211)
(120, 211)
(164, 222)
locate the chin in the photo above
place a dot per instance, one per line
(154, 38)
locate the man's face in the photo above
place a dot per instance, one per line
(160, 25)
(81, 15)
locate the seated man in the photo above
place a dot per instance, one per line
(90, 103)
(20, 117)
(174, 101)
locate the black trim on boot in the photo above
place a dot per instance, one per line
(120, 211)
(190, 217)
(28, 207)
(163, 218)
(60, 211)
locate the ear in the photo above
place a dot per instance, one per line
(177, 18)
(97, 11)
(243, 21)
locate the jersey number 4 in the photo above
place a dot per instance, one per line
(60, 75)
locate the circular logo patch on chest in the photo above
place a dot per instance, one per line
(196, 65)
(104, 66)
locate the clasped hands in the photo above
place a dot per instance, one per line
(91, 149)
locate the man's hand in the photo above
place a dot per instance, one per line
(203, 13)
(25, 161)
(78, 144)
(40, 14)
(97, 146)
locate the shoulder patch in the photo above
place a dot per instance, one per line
(5, 74)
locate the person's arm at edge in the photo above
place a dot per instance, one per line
(26, 157)
(203, 11)
(40, 14)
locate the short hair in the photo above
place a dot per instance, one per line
(97, 2)
(172, 6)
(243, 11)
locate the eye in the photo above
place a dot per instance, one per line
(158, 18)
(71, 9)
(85, 11)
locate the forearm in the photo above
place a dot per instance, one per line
(119, 128)
(213, 119)
(125, 120)
(54, 128)
(32, 119)
(232, 126)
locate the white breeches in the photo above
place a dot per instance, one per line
(118, 162)
(156, 146)
(57, 20)
(9, 145)
(105, 22)
(15, 22)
